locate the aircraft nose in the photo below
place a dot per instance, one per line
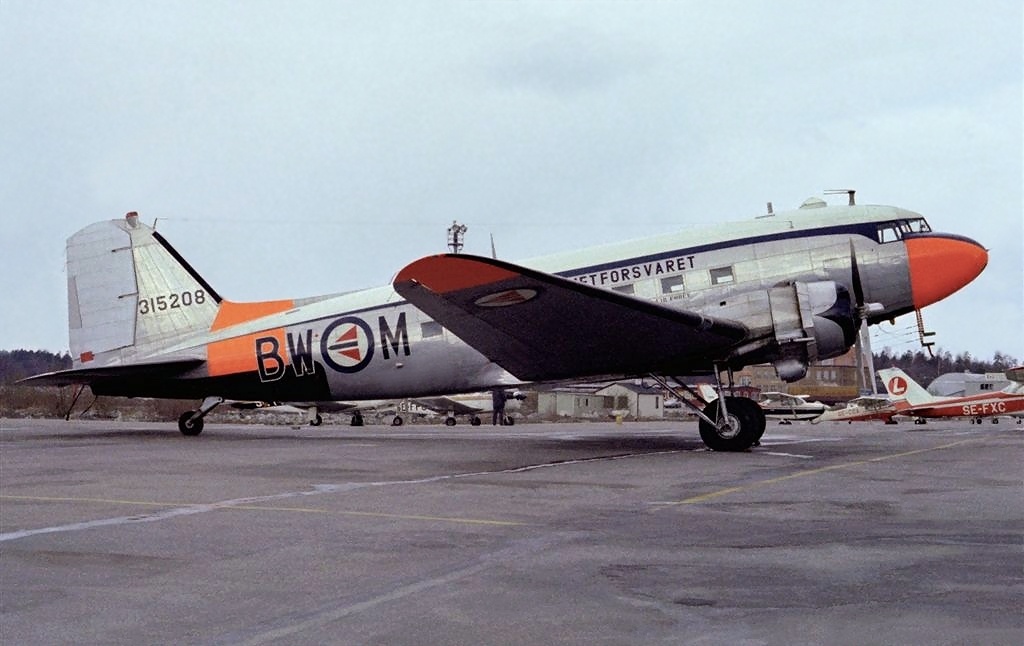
(940, 264)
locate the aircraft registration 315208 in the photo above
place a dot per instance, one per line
(789, 289)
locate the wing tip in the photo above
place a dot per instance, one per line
(444, 273)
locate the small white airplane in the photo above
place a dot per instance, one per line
(862, 409)
(789, 289)
(788, 408)
(922, 405)
(472, 405)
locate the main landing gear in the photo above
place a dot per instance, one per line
(191, 421)
(726, 424)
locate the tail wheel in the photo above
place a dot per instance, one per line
(738, 431)
(189, 426)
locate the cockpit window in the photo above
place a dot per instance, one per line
(893, 231)
(917, 225)
(889, 232)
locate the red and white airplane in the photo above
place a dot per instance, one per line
(789, 289)
(923, 405)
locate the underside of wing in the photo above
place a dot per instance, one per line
(152, 369)
(446, 404)
(543, 327)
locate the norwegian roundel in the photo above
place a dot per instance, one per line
(347, 344)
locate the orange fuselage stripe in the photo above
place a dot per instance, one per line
(238, 354)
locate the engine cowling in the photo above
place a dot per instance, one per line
(795, 324)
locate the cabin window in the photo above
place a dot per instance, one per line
(672, 284)
(986, 386)
(624, 289)
(430, 328)
(722, 276)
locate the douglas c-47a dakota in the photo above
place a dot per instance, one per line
(788, 289)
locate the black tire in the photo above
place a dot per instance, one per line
(189, 426)
(474, 421)
(449, 421)
(316, 421)
(746, 421)
(397, 421)
(357, 419)
(754, 411)
(509, 420)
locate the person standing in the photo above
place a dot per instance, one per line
(497, 407)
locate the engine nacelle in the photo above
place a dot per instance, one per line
(795, 325)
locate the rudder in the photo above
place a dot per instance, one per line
(130, 292)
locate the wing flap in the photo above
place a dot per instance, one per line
(544, 327)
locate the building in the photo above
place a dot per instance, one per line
(602, 401)
(829, 381)
(962, 384)
(635, 401)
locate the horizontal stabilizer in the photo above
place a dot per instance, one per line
(544, 327)
(157, 368)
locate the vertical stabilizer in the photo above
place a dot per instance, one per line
(129, 292)
(901, 386)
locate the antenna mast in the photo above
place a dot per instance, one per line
(455, 233)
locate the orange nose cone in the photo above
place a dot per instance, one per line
(940, 265)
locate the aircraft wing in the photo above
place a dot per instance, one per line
(539, 326)
(157, 368)
(445, 404)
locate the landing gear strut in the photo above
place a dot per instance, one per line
(191, 421)
(726, 424)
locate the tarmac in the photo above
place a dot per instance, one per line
(587, 533)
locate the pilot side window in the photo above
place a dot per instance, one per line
(889, 232)
(722, 276)
(672, 284)
(430, 328)
(918, 225)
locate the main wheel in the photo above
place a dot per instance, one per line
(189, 426)
(449, 421)
(738, 431)
(397, 421)
(316, 421)
(474, 421)
(357, 419)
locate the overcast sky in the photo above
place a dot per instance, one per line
(297, 148)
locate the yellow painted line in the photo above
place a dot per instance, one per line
(308, 510)
(807, 472)
(111, 501)
(376, 514)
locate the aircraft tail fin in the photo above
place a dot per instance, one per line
(900, 386)
(130, 293)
